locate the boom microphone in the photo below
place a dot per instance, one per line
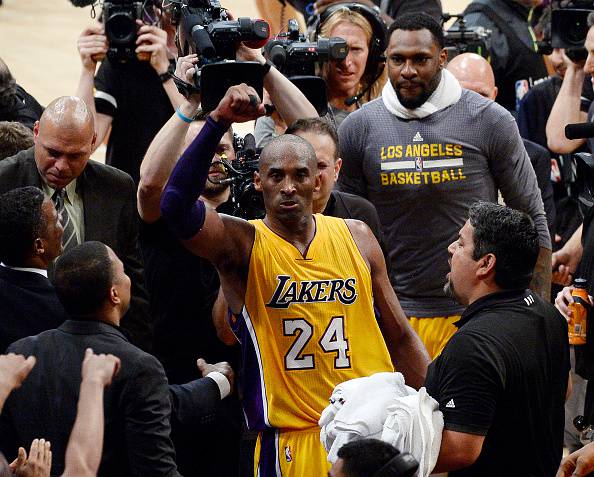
(579, 131)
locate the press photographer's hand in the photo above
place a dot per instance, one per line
(92, 46)
(241, 103)
(153, 41)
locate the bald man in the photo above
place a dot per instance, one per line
(301, 287)
(475, 73)
(96, 202)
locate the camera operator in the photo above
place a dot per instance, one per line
(567, 108)
(135, 97)
(182, 286)
(512, 45)
(353, 81)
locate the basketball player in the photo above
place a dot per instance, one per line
(301, 287)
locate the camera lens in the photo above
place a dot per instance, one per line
(120, 28)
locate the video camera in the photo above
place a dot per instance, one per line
(463, 39)
(298, 58)
(569, 23)
(247, 201)
(204, 28)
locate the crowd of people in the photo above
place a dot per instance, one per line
(429, 226)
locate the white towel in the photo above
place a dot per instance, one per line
(414, 424)
(358, 409)
(447, 93)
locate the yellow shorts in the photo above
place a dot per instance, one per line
(435, 332)
(290, 454)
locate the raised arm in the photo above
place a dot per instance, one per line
(408, 354)
(14, 368)
(83, 454)
(225, 241)
(165, 149)
(289, 101)
(92, 47)
(566, 110)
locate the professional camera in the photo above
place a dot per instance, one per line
(204, 28)
(569, 25)
(247, 201)
(462, 39)
(119, 18)
(298, 58)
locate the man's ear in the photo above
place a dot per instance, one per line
(35, 131)
(487, 266)
(257, 181)
(443, 58)
(38, 246)
(337, 166)
(114, 296)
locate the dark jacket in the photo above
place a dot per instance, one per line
(110, 216)
(137, 403)
(28, 305)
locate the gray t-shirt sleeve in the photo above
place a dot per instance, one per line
(352, 135)
(264, 131)
(513, 172)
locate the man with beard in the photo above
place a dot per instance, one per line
(422, 153)
(502, 380)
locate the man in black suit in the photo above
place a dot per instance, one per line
(95, 291)
(96, 202)
(30, 239)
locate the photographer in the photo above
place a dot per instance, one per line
(358, 78)
(136, 97)
(512, 45)
(567, 107)
(182, 286)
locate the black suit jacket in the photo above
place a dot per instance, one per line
(137, 404)
(110, 216)
(28, 305)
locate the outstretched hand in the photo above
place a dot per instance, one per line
(37, 464)
(241, 103)
(223, 367)
(100, 367)
(14, 368)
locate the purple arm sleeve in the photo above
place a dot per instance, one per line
(181, 209)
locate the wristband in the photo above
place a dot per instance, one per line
(181, 116)
(222, 383)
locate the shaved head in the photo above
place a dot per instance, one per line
(288, 145)
(64, 139)
(68, 112)
(474, 73)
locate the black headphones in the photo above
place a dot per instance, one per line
(401, 465)
(379, 40)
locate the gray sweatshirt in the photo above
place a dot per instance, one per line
(422, 175)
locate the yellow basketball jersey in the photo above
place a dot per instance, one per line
(308, 324)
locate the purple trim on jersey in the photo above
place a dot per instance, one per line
(250, 378)
(268, 454)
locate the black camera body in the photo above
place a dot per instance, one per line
(569, 24)
(204, 28)
(248, 203)
(119, 18)
(293, 55)
(463, 39)
(297, 58)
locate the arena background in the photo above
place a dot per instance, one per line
(38, 41)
